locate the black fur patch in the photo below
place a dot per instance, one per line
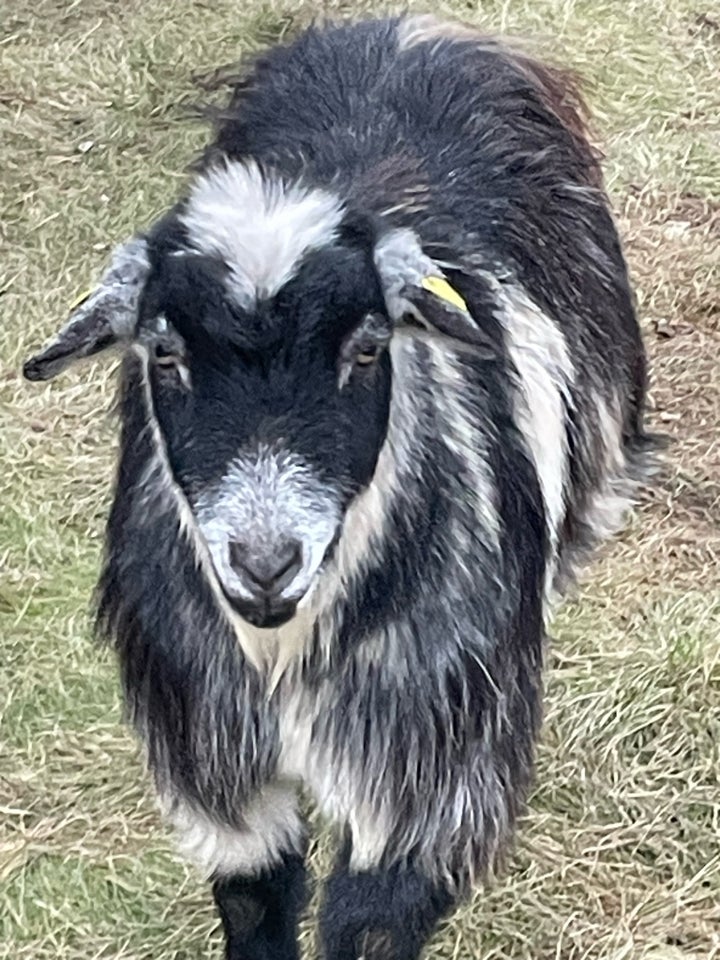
(260, 914)
(379, 915)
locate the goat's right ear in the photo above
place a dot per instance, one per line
(106, 317)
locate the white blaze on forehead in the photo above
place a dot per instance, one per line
(259, 225)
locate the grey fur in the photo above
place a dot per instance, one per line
(106, 317)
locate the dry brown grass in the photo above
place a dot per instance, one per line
(619, 856)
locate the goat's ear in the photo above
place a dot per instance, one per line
(105, 317)
(416, 289)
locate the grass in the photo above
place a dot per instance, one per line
(619, 855)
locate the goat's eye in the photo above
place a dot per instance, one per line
(165, 356)
(367, 355)
(168, 358)
(364, 345)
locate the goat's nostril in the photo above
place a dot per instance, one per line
(237, 551)
(265, 569)
(288, 559)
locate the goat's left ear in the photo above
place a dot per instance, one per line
(106, 317)
(414, 287)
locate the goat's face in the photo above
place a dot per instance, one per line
(262, 316)
(272, 416)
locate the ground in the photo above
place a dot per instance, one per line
(619, 855)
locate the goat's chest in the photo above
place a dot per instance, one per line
(310, 753)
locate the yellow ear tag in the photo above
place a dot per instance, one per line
(80, 299)
(441, 288)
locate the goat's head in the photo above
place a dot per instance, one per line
(262, 315)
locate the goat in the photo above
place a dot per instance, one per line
(382, 389)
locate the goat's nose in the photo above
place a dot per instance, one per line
(266, 571)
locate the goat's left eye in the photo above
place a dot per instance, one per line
(165, 356)
(364, 346)
(367, 355)
(170, 360)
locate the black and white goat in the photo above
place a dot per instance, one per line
(383, 384)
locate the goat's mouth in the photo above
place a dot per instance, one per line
(265, 613)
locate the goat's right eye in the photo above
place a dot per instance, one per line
(165, 356)
(367, 355)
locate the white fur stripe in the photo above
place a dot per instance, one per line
(260, 226)
(366, 517)
(539, 352)
(610, 502)
(427, 28)
(464, 438)
(272, 826)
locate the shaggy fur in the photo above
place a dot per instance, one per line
(442, 454)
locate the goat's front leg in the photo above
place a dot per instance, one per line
(380, 913)
(257, 871)
(260, 912)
